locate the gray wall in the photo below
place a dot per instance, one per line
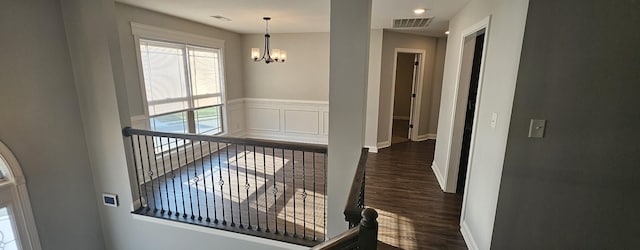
(233, 56)
(390, 41)
(305, 75)
(40, 122)
(577, 188)
(436, 90)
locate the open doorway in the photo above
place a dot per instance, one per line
(470, 71)
(406, 85)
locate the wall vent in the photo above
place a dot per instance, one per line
(413, 23)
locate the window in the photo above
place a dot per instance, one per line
(17, 225)
(183, 87)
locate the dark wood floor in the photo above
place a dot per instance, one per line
(414, 212)
(253, 189)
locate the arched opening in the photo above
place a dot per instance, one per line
(17, 225)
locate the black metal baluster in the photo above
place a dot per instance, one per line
(230, 192)
(153, 192)
(195, 180)
(186, 165)
(264, 175)
(213, 187)
(304, 199)
(155, 161)
(164, 173)
(221, 183)
(135, 166)
(324, 201)
(173, 177)
(293, 168)
(204, 182)
(255, 178)
(246, 183)
(284, 192)
(238, 186)
(314, 196)
(275, 189)
(184, 206)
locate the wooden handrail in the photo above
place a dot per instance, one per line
(307, 147)
(355, 202)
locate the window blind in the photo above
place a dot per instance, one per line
(180, 77)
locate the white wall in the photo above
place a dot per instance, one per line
(304, 76)
(40, 122)
(500, 70)
(349, 62)
(373, 90)
(98, 69)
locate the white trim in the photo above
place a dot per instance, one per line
(148, 31)
(384, 144)
(372, 149)
(23, 214)
(438, 175)
(468, 237)
(426, 137)
(284, 101)
(417, 88)
(483, 24)
(222, 233)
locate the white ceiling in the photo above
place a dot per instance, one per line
(293, 16)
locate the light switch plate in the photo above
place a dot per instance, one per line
(536, 128)
(494, 120)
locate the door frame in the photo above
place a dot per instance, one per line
(418, 86)
(451, 169)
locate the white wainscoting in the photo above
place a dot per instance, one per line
(287, 120)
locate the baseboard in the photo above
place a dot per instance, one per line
(372, 149)
(438, 175)
(426, 137)
(468, 237)
(384, 144)
(398, 117)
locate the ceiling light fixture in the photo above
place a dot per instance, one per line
(446, 32)
(268, 54)
(419, 11)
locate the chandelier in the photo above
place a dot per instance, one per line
(269, 55)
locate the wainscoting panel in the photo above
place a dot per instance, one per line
(301, 121)
(296, 120)
(235, 117)
(263, 119)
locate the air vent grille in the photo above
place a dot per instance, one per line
(412, 22)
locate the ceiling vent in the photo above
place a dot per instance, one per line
(412, 23)
(221, 18)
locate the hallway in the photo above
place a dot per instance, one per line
(414, 212)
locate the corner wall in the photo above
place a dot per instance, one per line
(41, 124)
(504, 42)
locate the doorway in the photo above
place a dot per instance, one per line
(473, 45)
(406, 88)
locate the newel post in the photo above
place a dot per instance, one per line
(368, 236)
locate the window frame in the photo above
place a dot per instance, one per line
(147, 32)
